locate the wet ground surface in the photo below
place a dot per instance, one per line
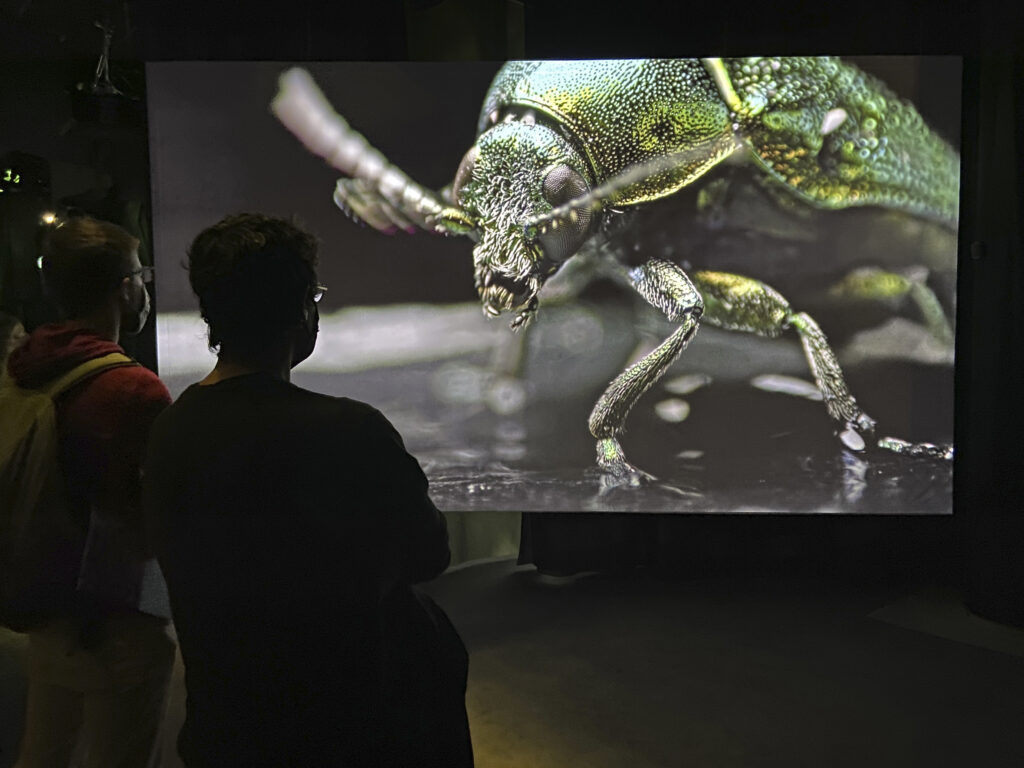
(734, 427)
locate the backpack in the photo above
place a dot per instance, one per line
(41, 543)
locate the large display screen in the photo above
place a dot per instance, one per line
(791, 224)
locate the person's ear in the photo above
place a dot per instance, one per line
(310, 313)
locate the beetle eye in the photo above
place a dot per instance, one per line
(464, 173)
(561, 185)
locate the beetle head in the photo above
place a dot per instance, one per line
(516, 172)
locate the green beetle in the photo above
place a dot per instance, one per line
(568, 152)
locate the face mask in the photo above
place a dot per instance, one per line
(133, 319)
(305, 336)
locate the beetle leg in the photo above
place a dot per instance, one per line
(665, 286)
(742, 304)
(839, 401)
(873, 284)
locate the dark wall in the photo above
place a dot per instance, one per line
(990, 342)
(97, 156)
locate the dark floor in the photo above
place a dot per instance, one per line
(602, 671)
(760, 671)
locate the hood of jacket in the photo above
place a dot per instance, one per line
(51, 350)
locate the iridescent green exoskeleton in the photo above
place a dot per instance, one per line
(565, 149)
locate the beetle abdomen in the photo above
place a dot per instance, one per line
(839, 137)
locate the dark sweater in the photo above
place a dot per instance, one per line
(281, 518)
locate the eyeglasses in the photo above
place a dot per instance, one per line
(146, 273)
(318, 293)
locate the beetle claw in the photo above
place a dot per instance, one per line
(917, 450)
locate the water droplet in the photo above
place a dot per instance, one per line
(688, 383)
(506, 396)
(788, 385)
(673, 410)
(510, 431)
(852, 440)
(832, 120)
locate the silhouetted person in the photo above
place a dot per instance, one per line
(290, 526)
(100, 668)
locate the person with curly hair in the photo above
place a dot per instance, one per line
(291, 526)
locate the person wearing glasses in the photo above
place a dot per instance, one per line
(291, 526)
(99, 669)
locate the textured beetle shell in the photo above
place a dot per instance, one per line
(879, 152)
(832, 135)
(621, 112)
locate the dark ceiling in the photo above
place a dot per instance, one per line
(210, 30)
(377, 29)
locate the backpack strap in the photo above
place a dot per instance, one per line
(86, 369)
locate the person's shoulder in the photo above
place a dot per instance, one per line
(119, 403)
(338, 410)
(136, 384)
(341, 406)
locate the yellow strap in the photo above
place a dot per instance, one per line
(76, 374)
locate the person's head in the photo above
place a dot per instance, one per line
(255, 278)
(91, 266)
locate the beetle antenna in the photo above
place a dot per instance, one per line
(689, 164)
(723, 82)
(304, 110)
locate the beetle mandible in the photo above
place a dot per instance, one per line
(564, 149)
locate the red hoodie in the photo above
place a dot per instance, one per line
(103, 423)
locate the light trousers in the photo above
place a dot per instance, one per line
(102, 707)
